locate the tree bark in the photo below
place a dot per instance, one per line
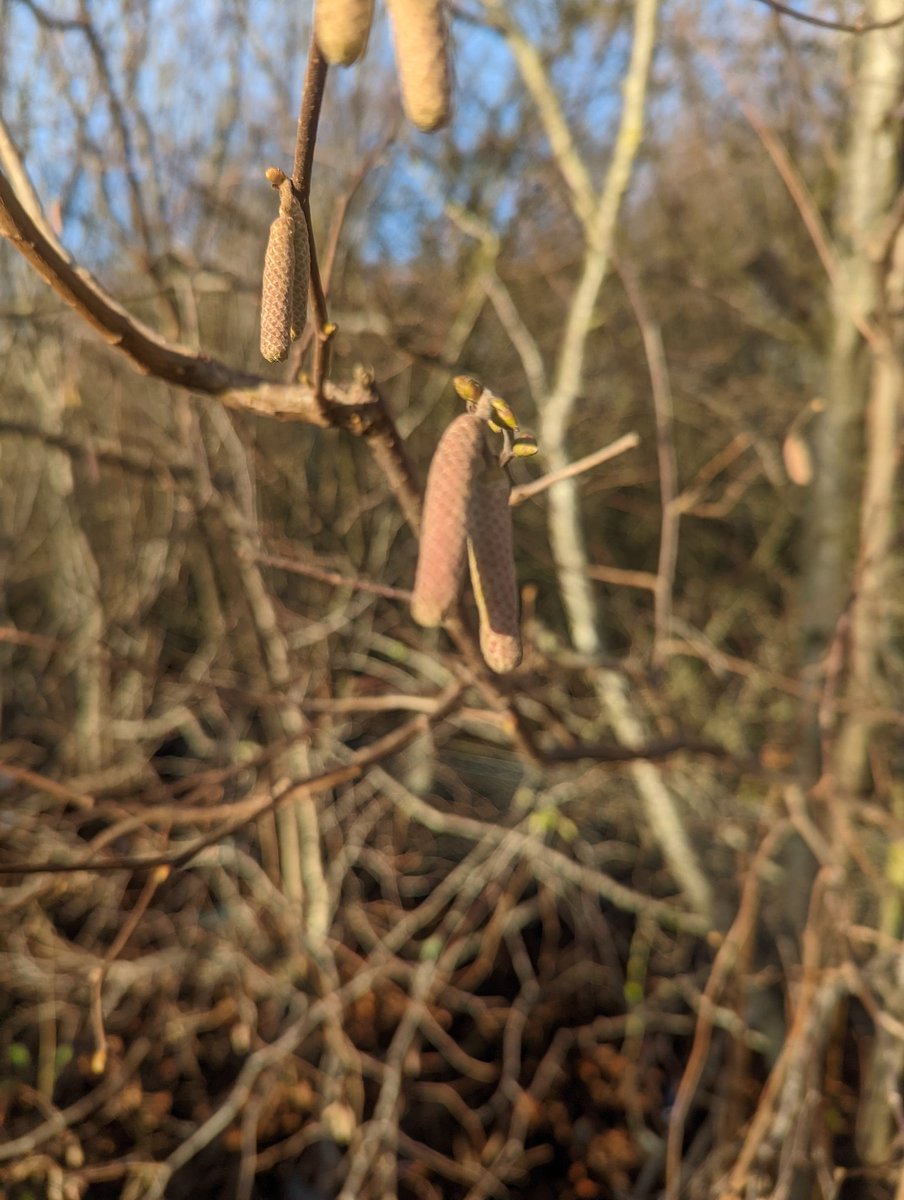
(863, 372)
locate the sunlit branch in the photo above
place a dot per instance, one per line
(527, 491)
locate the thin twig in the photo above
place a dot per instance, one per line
(724, 963)
(667, 458)
(44, 784)
(333, 577)
(21, 1147)
(526, 491)
(802, 198)
(302, 170)
(392, 742)
(857, 27)
(99, 974)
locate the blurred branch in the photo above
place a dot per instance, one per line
(99, 973)
(804, 203)
(822, 987)
(49, 786)
(825, 23)
(565, 528)
(281, 563)
(105, 450)
(623, 577)
(536, 80)
(11, 162)
(666, 455)
(725, 963)
(566, 535)
(546, 859)
(376, 751)
(120, 124)
(50, 21)
(603, 752)
(519, 335)
(67, 1117)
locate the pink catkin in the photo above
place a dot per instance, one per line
(444, 526)
(491, 557)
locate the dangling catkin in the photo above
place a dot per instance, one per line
(278, 285)
(342, 28)
(491, 558)
(444, 525)
(419, 35)
(301, 275)
(287, 270)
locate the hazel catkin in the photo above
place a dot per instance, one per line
(287, 269)
(491, 559)
(342, 28)
(444, 524)
(422, 59)
(277, 289)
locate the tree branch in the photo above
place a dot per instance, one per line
(857, 27)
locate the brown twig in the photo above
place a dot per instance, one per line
(857, 27)
(813, 988)
(652, 752)
(355, 407)
(623, 577)
(45, 784)
(21, 1147)
(99, 974)
(373, 753)
(302, 170)
(741, 930)
(333, 577)
(667, 458)
(801, 196)
(308, 120)
(526, 491)
(99, 450)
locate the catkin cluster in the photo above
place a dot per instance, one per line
(342, 27)
(287, 269)
(467, 517)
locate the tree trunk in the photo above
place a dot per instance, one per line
(862, 370)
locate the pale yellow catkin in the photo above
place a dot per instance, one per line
(419, 36)
(342, 28)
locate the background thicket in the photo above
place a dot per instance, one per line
(298, 899)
